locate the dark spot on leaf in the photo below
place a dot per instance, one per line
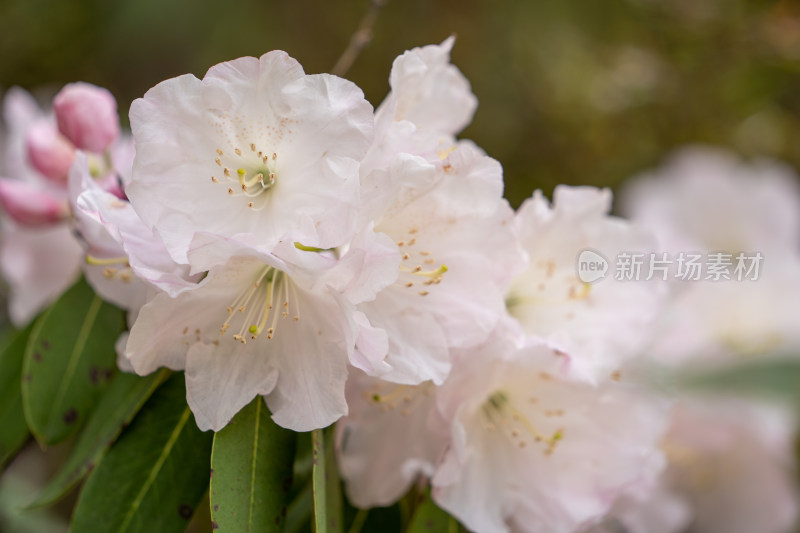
(45, 344)
(70, 415)
(185, 511)
(216, 507)
(89, 467)
(27, 378)
(212, 473)
(214, 525)
(277, 520)
(287, 484)
(94, 375)
(37, 357)
(108, 373)
(283, 512)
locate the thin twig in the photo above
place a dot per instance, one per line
(360, 39)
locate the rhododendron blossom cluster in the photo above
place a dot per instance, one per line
(275, 236)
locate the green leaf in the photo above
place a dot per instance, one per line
(333, 486)
(251, 472)
(68, 362)
(429, 518)
(318, 482)
(126, 394)
(326, 486)
(770, 377)
(14, 431)
(154, 476)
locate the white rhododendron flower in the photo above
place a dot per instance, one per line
(453, 230)
(709, 200)
(430, 101)
(536, 447)
(730, 471)
(392, 436)
(600, 324)
(276, 325)
(428, 91)
(257, 148)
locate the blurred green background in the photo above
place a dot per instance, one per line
(570, 92)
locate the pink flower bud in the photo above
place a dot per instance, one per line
(87, 116)
(48, 151)
(30, 205)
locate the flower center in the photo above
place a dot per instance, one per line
(259, 308)
(404, 399)
(115, 267)
(501, 415)
(418, 266)
(246, 173)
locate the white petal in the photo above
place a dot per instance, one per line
(221, 381)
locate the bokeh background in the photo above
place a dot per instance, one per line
(570, 92)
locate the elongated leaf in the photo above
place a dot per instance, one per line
(429, 518)
(126, 394)
(318, 484)
(154, 476)
(251, 465)
(69, 360)
(333, 486)
(299, 513)
(768, 377)
(14, 430)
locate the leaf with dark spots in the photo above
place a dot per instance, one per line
(13, 427)
(70, 415)
(77, 333)
(185, 511)
(158, 464)
(118, 405)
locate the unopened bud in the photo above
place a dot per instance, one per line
(48, 151)
(87, 116)
(30, 205)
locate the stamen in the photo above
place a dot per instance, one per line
(92, 260)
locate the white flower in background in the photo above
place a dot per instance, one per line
(598, 325)
(536, 447)
(453, 231)
(39, 256)
(733, 463)
(392, 436)
(277, 325)
(731, 470)
(729, 462)
(709, 200)
(257, 148)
